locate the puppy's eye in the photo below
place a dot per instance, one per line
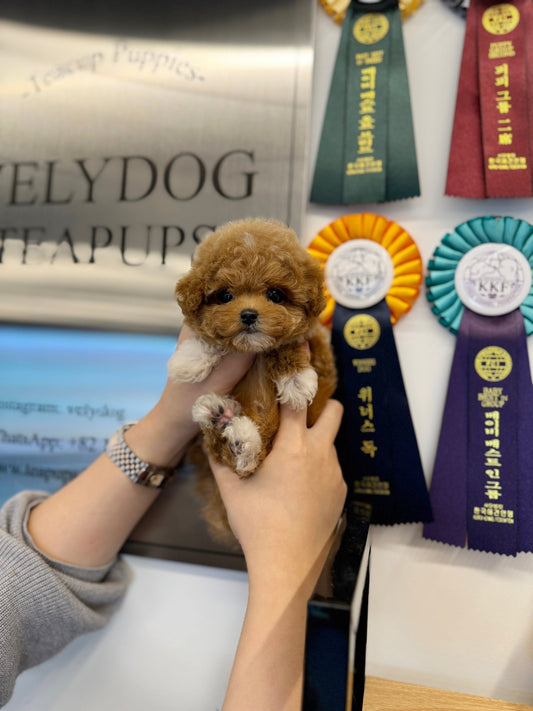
(224, 296)
(276, 296)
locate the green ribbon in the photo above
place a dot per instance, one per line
(367, 148)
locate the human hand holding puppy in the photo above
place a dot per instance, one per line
(174, 408)
(86, 522)
(252, 288)
(285, 518)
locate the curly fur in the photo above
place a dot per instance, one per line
(252, 288)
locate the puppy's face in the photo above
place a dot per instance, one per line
(251, 287)
(245, 320)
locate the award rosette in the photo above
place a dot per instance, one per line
(367, 148)
(479, 285)
(337, 8)
(373, 272)
(491, 146)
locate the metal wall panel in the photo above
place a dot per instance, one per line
(128, 134)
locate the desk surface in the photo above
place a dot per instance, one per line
(385, 695)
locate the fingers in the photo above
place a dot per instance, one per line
(329, 420)
(184, 334)
(294, 422)
(228, 368)
(239, 361)
(221, 472)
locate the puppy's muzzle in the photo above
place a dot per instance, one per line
(249, 316)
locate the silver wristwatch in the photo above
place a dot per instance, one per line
(134, 468)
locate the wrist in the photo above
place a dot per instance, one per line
(282, 584)
(161, 436)
(295, 572)
(272, 601)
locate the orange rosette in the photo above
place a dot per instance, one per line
(337, 8)
(401, 247)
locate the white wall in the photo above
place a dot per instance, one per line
(440, 616)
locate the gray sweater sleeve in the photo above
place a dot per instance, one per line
(45, 604)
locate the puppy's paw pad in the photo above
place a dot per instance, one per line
(298, 389)
(244, 442)
(212, 411)
(192, 361)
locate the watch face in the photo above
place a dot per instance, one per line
(156, 480)
(359, 273)
(493, 279)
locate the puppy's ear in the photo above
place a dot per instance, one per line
(314, 283)
(190, 292)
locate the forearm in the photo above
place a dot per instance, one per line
(267, 674)
(87, 522)
(285, 518)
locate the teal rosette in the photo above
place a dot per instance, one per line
(482, 485)
(440, 282)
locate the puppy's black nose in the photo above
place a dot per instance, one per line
(249, 316)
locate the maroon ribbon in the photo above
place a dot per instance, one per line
(482, 486)
(528, 14)
(490, 153)
(465, 166)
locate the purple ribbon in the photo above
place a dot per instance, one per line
(482, 486)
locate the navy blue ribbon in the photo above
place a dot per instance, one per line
(377, 444)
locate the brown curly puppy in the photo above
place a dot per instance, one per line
(252, 288)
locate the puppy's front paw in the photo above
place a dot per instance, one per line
(192, 361)
(244, 442)
(212, 411)
(299, 389)
(222, 415)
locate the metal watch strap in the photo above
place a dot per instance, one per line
(139, 471)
